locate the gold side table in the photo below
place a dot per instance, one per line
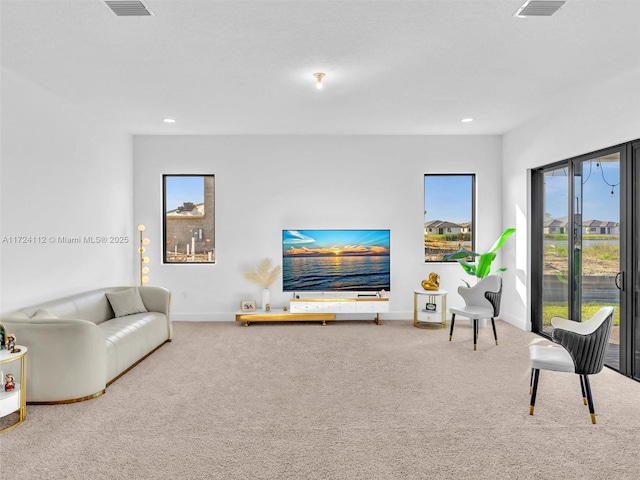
(426, 318)
(14, 400)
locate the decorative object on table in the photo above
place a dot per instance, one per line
(264, 275)
(432, 283)
(285, 308)
(10, 344)
(267, 307)
(483, 267)
(382, 293)
(9, 383)
(248, 305)
(143, 259)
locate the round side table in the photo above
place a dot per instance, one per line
(435, 315)
(14, 400)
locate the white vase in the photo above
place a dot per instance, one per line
(266, 299)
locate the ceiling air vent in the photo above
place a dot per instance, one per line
(538, 8)
(127, 8)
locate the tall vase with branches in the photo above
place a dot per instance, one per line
(264, 275)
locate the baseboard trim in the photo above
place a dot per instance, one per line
(406, 315)
(515, 321)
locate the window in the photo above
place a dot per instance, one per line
(189, 214)
(448, 214)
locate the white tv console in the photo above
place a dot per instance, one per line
(324, 305)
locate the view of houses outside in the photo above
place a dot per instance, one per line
(189, 219)
(448, 214)
(596, 252)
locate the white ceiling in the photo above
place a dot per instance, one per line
(246, 67)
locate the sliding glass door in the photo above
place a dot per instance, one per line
(631, 210)
(555, 251)
(584, 251)
(596, 242)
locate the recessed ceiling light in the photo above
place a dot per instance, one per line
(467, 120)
(169, 120)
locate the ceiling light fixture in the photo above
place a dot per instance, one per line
(319, 76)
(169, 120)
(467, 120)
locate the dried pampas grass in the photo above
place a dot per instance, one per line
(264, 275)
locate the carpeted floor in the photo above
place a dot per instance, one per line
(351, 400)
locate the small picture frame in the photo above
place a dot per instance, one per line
(248, 305)
(430, 307)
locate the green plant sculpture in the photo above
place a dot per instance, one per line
(482, 267)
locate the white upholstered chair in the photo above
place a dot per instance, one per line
(581, 350)
(482, 301)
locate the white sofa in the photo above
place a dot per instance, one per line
(79, 345)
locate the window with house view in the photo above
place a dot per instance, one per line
(189, 218)
(448, 214)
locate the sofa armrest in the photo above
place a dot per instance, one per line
(66, 360)
(158, 299)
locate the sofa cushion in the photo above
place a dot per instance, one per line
(126, 302)
(94, 306)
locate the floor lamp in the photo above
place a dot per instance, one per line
(143, 259)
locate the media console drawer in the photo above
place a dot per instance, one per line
(341, 305)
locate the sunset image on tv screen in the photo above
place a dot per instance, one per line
(330, 260)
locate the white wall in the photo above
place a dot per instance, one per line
(268, 183)
(63, 173)
(600, 117)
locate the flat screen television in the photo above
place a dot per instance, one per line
(336, 260)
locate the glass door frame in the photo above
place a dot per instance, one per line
(631, 212)
(629, 281)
